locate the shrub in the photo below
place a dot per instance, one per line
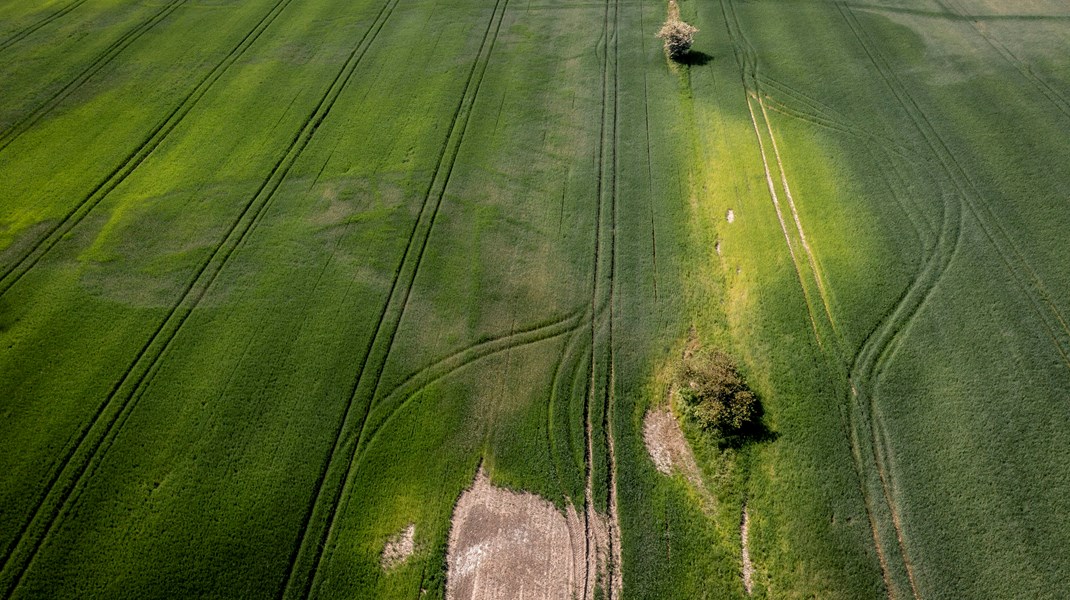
(714, 395)
(677, 34)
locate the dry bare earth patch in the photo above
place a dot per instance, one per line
(668, 448)
(399, 547)
(504, 544)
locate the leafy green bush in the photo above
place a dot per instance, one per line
(714, 395)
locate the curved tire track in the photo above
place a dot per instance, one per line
(316, 532)
(865, 360)
(451, 363)
(561, 386)
(879, 348)
(404, 394)
(1025, 276)
(124, 395)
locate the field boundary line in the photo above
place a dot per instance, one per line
(21, 126)
(310, 548)
(15, 271)
(128, 390)
(32, 27)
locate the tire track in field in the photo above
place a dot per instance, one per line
(811, 312)
(391, 402)
(867, 450)
(821, 114)
(957, 176)
(649, 157)
(882, 150)
(114, 49)
(863, 412)
(401, 396)
(746, 58)
(919, 289)
(615, 583)
(1027, 279)
(919, 219)
(128, 390)
(569, 361)
(29, 29)
(815, 271)
(14, 272)
(879, 346)
(10, 276)
(317, 528)
(602, 531)
(1054, 97)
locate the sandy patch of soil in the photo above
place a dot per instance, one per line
(399, 548)
(667, 446)
(748, 567)
(505, 545)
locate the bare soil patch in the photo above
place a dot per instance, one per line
(505, 545)
(667, 446)
(399, 547)
(748, 567)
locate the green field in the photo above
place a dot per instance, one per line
(277, 276)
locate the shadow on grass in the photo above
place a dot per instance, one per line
(754, 432)
(694, 59)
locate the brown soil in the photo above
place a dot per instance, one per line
(399, 548)
(748, 567)
(668, 448)
(506, 545)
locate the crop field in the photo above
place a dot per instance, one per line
(287, 286)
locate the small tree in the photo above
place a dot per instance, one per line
(677, 34)
(714, 395)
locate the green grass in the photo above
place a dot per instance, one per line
(277, 276)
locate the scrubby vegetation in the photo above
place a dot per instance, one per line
(713, 394)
